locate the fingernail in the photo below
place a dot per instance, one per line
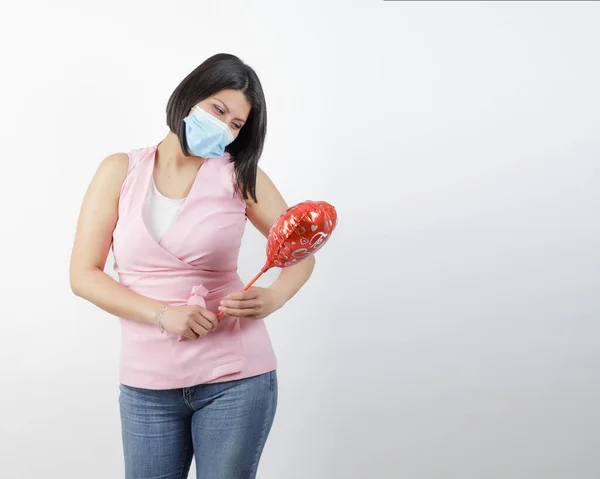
(220, 308)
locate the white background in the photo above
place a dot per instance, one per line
(451, 328)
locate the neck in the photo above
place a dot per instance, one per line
(170, 155)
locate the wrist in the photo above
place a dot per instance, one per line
(153, 313)
(161, 318)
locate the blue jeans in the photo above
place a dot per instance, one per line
(223, 425)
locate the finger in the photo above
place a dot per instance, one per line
(202, 321)
(198, 329)
(241, 304)
(206, 313)
(242, 295)
(190, 334)
(243, 313)
(211, 317)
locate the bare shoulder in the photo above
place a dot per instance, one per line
(112, 172)
(116, 164)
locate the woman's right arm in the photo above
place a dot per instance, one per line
(93, 238)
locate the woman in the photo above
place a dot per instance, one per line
(174, 214)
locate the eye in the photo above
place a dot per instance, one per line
(237, 126)
(218, 110)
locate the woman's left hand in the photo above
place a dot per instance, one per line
(256, 303)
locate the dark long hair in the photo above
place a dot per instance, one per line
(225, 72)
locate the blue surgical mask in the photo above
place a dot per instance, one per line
(206, 136)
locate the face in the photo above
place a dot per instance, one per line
(229, 106)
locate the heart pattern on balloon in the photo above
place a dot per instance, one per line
(300, 232)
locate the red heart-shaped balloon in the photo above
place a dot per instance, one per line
(299, 233)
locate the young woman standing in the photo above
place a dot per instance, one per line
(174, 214)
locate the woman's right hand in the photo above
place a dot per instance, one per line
(189, 321)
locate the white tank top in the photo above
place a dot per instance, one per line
(160, 211)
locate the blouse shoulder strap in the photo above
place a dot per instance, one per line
(137, 157)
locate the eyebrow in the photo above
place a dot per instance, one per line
(227, 108)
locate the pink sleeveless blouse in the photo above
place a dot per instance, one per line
(194, 263)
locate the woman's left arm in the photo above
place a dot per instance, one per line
(258, 303)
